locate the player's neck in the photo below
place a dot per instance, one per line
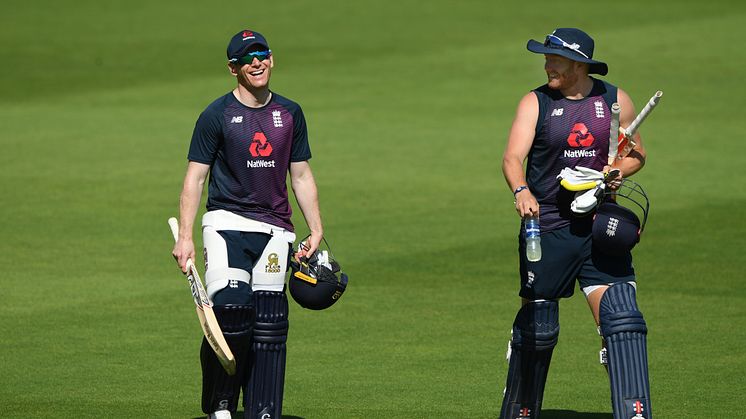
(253, 98)
(582, 88)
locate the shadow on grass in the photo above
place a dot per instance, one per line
(571, 414)
(239, 415)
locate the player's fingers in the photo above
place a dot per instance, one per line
(529, 207)
(311, 249)
(182, 264)
(313, 244)
(177, 257)
(523, 208)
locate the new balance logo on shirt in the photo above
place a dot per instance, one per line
(558, 111)
(236, 119)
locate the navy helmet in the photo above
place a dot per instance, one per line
(620, 219)
(317, 282)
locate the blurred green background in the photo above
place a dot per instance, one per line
(408, 105)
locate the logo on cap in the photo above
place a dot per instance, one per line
(248, 35)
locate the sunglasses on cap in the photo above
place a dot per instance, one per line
(553, 41)
(259, 55)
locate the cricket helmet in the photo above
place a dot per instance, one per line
(317, 282)
(621, 218)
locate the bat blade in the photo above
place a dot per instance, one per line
(205, 314)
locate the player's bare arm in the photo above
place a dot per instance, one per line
(635, 160)
(304, 188)
(191, 194)
(519, 143)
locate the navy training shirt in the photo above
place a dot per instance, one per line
(569, 133)
(249, 151)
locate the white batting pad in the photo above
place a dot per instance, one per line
(269, 271)
(218, 272)
(226, 220)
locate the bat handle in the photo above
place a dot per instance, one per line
(174, 224)
(614, 132)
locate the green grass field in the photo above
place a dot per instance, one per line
(408, 105)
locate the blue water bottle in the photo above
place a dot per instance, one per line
(533, 238)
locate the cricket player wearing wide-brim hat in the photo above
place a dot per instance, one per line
(567, 123)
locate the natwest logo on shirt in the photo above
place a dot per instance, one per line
(260, 147)
(580, 136)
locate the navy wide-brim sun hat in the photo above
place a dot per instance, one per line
(570, 43)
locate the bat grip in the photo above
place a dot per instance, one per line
(174, 224)
(632, 128)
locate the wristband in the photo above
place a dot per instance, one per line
(519, 189)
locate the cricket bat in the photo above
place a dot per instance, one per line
(614, 133)
(206, 316)
(626, 144)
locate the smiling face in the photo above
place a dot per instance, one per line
(252, 72)
(562, 73)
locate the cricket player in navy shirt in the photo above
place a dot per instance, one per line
(247, 141)
(566, 123)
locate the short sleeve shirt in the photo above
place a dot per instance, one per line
(249, 151)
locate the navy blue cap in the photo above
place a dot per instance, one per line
(570, 43)
(240, 43)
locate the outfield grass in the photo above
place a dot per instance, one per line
(408, 105)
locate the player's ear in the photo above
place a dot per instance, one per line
(233, 68)
(582, 68)
(272, 61)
